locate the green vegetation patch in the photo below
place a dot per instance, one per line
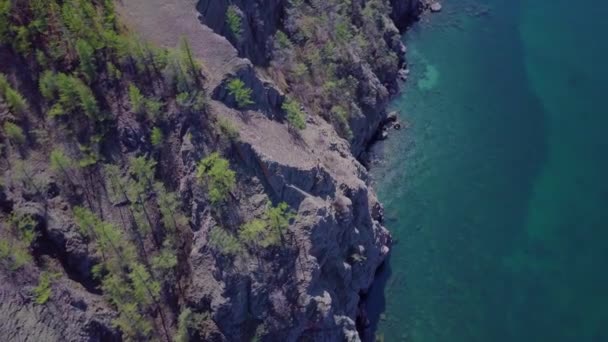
(295, 116)
(234, 21)
(240, 92)
(215, 172)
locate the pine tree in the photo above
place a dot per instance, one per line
(269, 230)
(278, 218)
(86, 220)
(13, 98)
(156, 137)
(47, 85)
(184, 322)
(241, 94)
(87, 59)
(165, 260)
(59, 162)
(137, 99)
(193, 67)
(215, 172)
(256, 233)
(142, 169)
(169, 207)
(234, 21)
(14, 133)
(224, 242)
(115, 183)
(15, 101)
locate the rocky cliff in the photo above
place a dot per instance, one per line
(307, 286)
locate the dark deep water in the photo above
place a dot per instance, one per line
(497, 192)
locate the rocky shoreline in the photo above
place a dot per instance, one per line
(309, 288)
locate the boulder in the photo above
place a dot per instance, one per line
(435, 7)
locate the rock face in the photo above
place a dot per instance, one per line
(75, 315)
(310, 290)
(405, 11)
(259, 21)
(266, 98)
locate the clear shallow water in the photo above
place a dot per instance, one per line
(497, 193)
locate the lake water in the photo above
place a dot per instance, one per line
(496, 193)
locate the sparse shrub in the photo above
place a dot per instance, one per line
(282, 40)
(224, 242)
(15, 255)
(29, 177)
(343, 32)
(183, 324)
(300, 69)
(295, 116)
(43, 290)
(268, 230)
(227, 128)
(16, 252)
(153, 109)
(256, 233)
(191, 100)
(90, 156)
(340, 117)
(23, 228)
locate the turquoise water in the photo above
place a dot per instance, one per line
(496, 194)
